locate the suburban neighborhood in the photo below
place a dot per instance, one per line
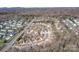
(9, 28)
(39, 29)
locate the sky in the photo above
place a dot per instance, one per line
(39, 3)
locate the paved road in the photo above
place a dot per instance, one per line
(8, 45)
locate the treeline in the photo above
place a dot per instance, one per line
(41, 11)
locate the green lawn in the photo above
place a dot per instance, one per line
(1, 43)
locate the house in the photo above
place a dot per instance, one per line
(69, 24)
(1, 36)
(11, 33)
(7, 37)
(19, 25)
(12, 25)
(10, 22)
(10, 30)
(14, 28)
(1, 26)
(5, 23)
(7, 27)
(76, 21)
(3, 30)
